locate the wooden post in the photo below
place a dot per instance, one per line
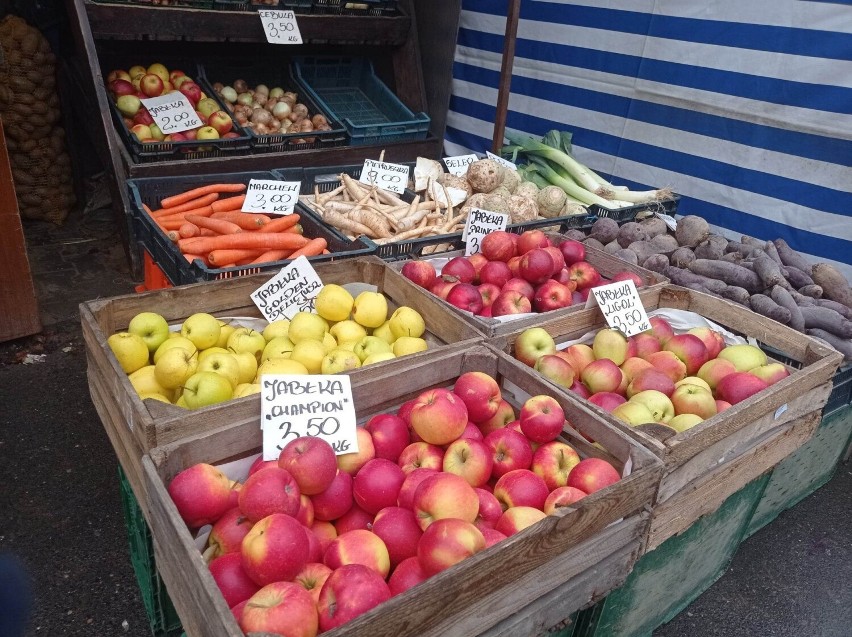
(505, 88)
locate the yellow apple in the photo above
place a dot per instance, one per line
(248, 366)
(383, 332)
(152, 327)
(347, 345)
(406, 321)
(130, 350)
(310, 354)
(370, 309)
(158, 397)
(175, 341)
(206, 388)
(181, 402)
(210, 351)
(306, 326)
(347, 330)
(202, 329)
(225, 364)
(244, 339)
(694, 380)
(175, 367)
(683, 422)
(246, 389)
(370, 345)
(334, 303)
(225, 330)
(378, 358)
(278, 347)
(409, 345)
(329, 342)
(280, 366)
(340, 360)
(276, 329)
(144, 381)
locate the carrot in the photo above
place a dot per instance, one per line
(173, 235)
(245, 220)
(189, 195)
(231, 203)
(231, 256)
(310, 249)
(200, 202)
(216, 225)
(326, 251)
(188, 230)
(193, 257)
(206, 211)
(281, 223)
(244, 241)
(272, 255)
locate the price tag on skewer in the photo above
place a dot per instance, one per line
(480, 223)
(621, 306)
(271, 197)
(391, 177)
(172, 113)
(280, 27)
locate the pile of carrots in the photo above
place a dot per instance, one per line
(206, 223)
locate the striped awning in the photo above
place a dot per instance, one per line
(744, 108)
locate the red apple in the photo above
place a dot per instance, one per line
(201, 494)
(503, 416)
(119, 87)
(358, 547)
(551, 295)
(486, 311)
(442, 286)
(260, 463)
(439, 416)
(584, 274)
(518, 518)
(515, 267)
(688, 348)
(480, 393)
(722, 405)
(469, 459)
(228, 533)
(572, 251)
(517, 284)
(492, 536)
(510, 302)
(355, 518)
(272, 490)
(348, 592)
(553, 462)
(592, 474)
(715, 370)
(542, 418)
(389, 434)
(275, 549)
(536, 266)
(237, 611)
(531, 239)
(477, 260)
(465, 296)
(646, 344)
(398, 529)
(325, 532)
(556, 369)
(488, 292)
(151, 85)
(315, 549)
(511, 451)
(739, 386)
(498, 246)
(558, 260)
(351, 463)
(221, 122)
(419, 455)
(471, 432)
(281, 608)
(626, 275)
(460, 268)
(192, 92)
(490, 510)
(236, 586)
(669, 364)
(562, 497)
(312, 463)
(607, 400)
(632, 366)
(406, 575)
(495, 272)
(420, 272)
(413, 478)
(579, 355)
(602, 375)
(521, 487)
(770, 373)
(447, 542)
(377, 485)
(661, 328)
(444, 495)
(580, 389)
(651, 378)
(312, 578)
(117, 74)
(334, 501)
(713, 341)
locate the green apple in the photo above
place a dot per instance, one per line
(658, 404)
(206, 388)
(246, 389)
(158, 397)
(683, 422)
(128, 105)
(151, 327)
(370, 345)
(207, 132)
(207, 106)
(744, 357)
(278, 347)
(276, 329)
(383, 332)
(175, 367)
(130, 350)
(248, 366)
(144, 381)
(306, 326)
(347, 330)
(175, 341)
(406, 321)
(181, 402)
(409, 345)
(378, 358)
(245, 339)
(202, 329)
(225, 364)
(340, 360)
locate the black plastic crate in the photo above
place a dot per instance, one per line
(350, 90)
(194, 4)
(297, 6)
(357, 7)
(275, 76)
(629, 213)
(174, 265)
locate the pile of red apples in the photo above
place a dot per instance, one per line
(313, 540)
(514, 274)
(657, 376)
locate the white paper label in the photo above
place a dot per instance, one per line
(292, 290)
(271, 197)
(780, 411)
(293, 406)
(500, 160)
(280, 27)
(670, 222)
(459, 164)
(621, 306)
(479, 223)
(392, 177)
(172, 113)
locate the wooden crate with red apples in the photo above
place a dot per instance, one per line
(502, 297)
(135, 426)
(524, 584)
(719, 439)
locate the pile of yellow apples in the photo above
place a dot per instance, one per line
(211, 360)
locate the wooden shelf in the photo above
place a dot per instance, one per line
(129, 22)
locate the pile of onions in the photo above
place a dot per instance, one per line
(270, 111)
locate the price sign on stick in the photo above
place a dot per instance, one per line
(172, 113)
(392, 177)
(500, 160)
(280, 27)
(293, 406)
(671, 222)
(292, 290)
(271, 197)
(480, 223)
(621, 306)
(459, 164)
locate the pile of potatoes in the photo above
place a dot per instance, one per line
(768, 277)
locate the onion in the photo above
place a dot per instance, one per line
(262, 88)
(318, 120)
(261, 129)
(241, 118)
(286, 125)
(306, 126)
(302, 109)
(276, 92)
(240, 86)
(270, 103)
(218, 86)
(260, 99)
(281, 110)
(245, 98)
(290, 96)
(229, 94)
(275, 126)
(261, 116)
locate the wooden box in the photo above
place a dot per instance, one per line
(520, 586)
(706, 464)
(604, 262)
(134, 426)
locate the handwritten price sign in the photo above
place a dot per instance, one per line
(503, 162)
(271, 197)
(172, 113)
(320, 406)
(280, 27)
(480, 223)
(622, 308)
(392, 177)
(459, 164)
(292, 290)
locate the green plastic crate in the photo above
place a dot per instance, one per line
(669, 578)
(161, 612)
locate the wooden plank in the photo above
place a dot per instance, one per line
(487, 573)
(18, 303)
(504, 88)
(704, 495)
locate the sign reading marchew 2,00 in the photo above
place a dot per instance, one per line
(294, 289)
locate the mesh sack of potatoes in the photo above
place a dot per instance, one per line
(29, 106)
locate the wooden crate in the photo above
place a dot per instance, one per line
(806, 470)
(604, 262)
(574, 556)
(696, 461)
(134, 426)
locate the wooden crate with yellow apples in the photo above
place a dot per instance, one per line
(747, 428)
(524, 582)
(208, 390)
